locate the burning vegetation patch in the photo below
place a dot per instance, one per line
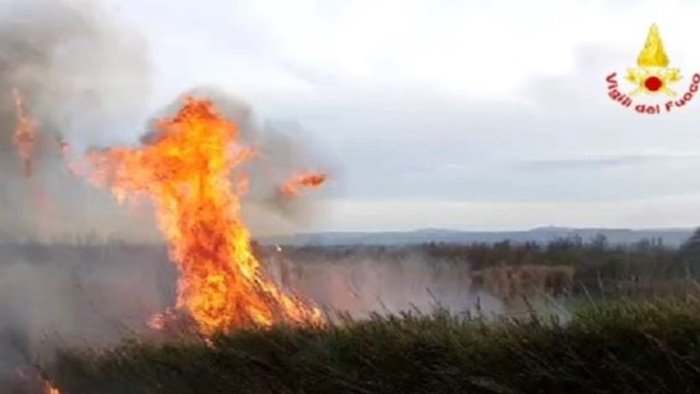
(25, 134)
(190, 173)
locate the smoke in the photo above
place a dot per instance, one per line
(359, 285)
(54, 296)
(281, 151)
(80, 74)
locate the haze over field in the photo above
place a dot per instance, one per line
(670, 237)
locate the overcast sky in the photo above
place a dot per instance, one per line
(445, 113)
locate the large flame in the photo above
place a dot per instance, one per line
(187, 174)
(25, 134)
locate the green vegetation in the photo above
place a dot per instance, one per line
(621, 347)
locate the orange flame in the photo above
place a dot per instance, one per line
(187, 173)
(25, 134)
(49, 388)
(63, 146)
(41, 198)
(307, 179)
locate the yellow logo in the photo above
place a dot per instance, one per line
(654, 78)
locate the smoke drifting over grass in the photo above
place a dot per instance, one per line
(54, 296)
(79, 74)
(57, 296)
(360, 286)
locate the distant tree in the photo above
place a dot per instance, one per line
(600, 242)
(692, 244)
(689, 253)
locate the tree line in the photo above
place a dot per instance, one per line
(594, 261)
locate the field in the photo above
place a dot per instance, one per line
(616, 348)
(564, 317)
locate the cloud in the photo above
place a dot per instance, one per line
(455, 101)
(594, 163)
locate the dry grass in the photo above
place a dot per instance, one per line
(618, 348)
(509, 282)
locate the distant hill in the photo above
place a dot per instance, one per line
(670, 237)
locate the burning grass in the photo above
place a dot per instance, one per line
(191, 173)
(621, 347)
(25, 134)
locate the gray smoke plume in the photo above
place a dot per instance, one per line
(78, 72)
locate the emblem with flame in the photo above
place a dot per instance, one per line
(652, 77)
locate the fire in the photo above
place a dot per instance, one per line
(41, 198)
(63, 146)
(25, 134)
(307, 179)
(187, 172)
(49, 388)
